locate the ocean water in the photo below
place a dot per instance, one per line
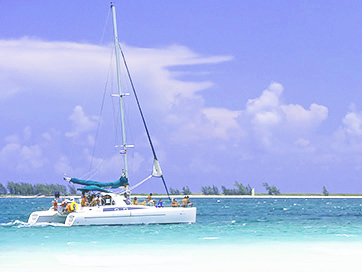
(246, 234)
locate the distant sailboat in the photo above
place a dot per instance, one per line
(111, 208)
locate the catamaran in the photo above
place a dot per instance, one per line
(108, 207)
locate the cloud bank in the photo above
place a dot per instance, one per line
(190, 135)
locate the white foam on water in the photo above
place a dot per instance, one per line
(15, 223)
(346, 235)
(21, 224)
(210, 238)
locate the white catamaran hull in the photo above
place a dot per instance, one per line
(116, 216)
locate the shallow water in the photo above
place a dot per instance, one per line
(234, 225)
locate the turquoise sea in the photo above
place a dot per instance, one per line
(243, 234)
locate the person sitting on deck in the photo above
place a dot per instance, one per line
(159, 204)
(64, 204)
(135, 201)
(149, 198)
(184, 202)
(95, 201)
(84, 201)
(127, 198)
(68, 208)
(189, 203)
(175, 203)
(55, 205)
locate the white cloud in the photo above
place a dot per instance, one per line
(16, 155)
(302, 142)
(353, 124)
(27, 133)
(161, 87)
(13, 139)
(268, 101)
(198, 123)
(223, 123)
(297, 116)
(47, 136)
(81, 123)
(264, 111)
(72, 71)
(34, 65)
(268, 110)
(271, 121)
(76, 69)
(63, 166)
(21, 157)
(349, 135)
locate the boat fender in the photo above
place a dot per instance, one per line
(73, 206)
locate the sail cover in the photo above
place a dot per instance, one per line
(122, 181)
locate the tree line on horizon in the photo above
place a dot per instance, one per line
(28, 189)
(239, 189)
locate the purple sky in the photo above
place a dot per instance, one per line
(247, 91)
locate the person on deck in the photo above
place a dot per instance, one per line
(84, 201)
(135, 201)
(159, 204)
(175, 203)
(64, 204)
(189, 203)
(127, 198)
(95, 201)
(149, 198)
(184, 202)
(55, 205)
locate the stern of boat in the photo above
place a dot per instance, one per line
(50, 216)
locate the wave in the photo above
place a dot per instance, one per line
(346, 235)
(210, 238)
(16, 223)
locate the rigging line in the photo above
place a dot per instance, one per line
(105, 26)
(99, 120)
(143, 118)
(95, 170)
(135, 186)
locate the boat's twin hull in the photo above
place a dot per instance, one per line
(42, 217)
(116, 216)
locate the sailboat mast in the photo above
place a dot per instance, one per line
(116, 45)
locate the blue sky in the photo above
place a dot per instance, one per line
(247, 91)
